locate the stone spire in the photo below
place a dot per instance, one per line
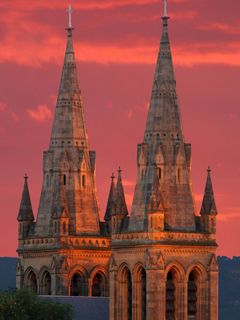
(25, 211)
(69, 125)
(111, 200)
(120, 202)
(164, 151)
(69, 156)
(208, 204)
(164, 116)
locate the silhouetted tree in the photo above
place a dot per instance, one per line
(25, 305)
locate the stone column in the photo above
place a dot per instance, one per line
(213, 299)
(185, 299)
(155, 294)
(113, 290)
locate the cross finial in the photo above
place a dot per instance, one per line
(209, 169)
(112, 177)
(119, 171)
(69, 10)
(165, 8)
(25, 177)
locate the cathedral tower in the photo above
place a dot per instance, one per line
(163, 264)
(66, 251)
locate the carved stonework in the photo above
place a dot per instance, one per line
(112, 264)
(154, 261)
(213, 266)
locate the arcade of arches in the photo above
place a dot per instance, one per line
(80, 283)
(131, 294)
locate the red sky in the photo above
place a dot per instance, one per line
(116, 45)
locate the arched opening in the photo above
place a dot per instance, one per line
(179, 175)
(83, 181)
(46, 283)
(160, 173)
(64, 227)
(170, 296)
(78, 285)
(99, 285)
(31, 282)
(125, 294)
(64, 179)
(193, 280)
(129, 295)
(143, 295)
(139, 296)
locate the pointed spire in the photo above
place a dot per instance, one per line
(111, 200)
(69, 125)
(164, 116)
(121, 207)
(25, 211)
(60, 209)
(208, 204)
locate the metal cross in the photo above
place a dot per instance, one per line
(165, 8)
(69, 10)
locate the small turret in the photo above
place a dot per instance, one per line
(121, 211)
(60, 215)
(208, 210)
(25, 215)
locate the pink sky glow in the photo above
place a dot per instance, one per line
(116, 45)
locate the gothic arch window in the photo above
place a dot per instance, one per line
(31, 282)
(47, 180)
(144, 294)
(99, 285)
(125, 297)
(140, 293)
(78, 285)
(129, 295)
(193, 288)
(46, 283)
(64, 179)
(170, 296)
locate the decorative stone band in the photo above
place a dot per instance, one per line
(65, 242)
(190, 237)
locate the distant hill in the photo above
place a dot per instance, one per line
(229, 284)
(7, 273)
(229, 288)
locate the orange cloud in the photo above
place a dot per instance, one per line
(83, 5)
(41, 114)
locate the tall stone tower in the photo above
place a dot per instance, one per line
(66, 250)
(163, 264)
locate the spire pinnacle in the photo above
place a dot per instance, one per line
(25, 211)
(69, 10)
(119, 171)
(208, 204)
(121, 207)
(112, 177)
(111, 200)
